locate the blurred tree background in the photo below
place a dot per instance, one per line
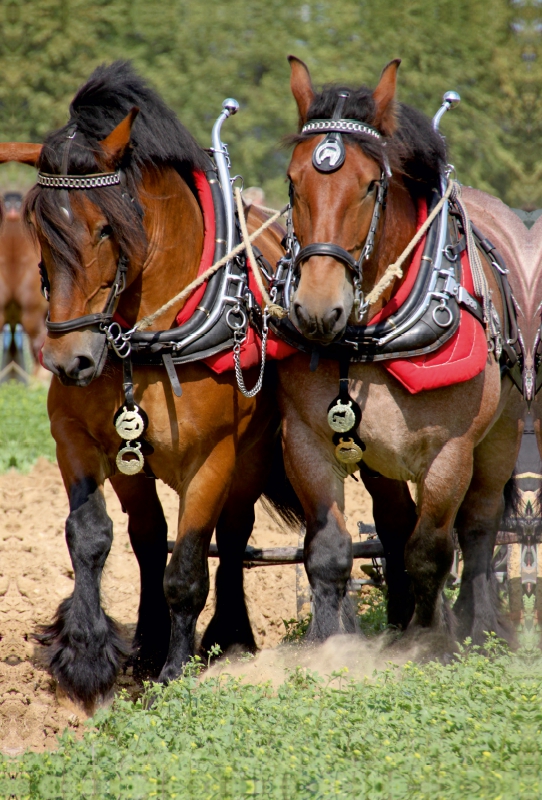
(196, 53)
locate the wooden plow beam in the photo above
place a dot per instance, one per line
(278, 556)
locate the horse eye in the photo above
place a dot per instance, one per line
(371, 187)
(106, 232)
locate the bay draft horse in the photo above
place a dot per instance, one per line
(212, 444)
(458, 445)
(21, 300)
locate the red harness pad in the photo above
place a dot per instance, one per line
(251, 349)
(252, 346)
(462, 357)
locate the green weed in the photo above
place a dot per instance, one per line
(466, 730)
(24, 426)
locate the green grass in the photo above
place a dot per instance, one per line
(24, 426)
(467, 730)
(470, 729)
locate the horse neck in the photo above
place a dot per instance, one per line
(173, 224)
(397, 228)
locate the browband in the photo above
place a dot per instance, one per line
(339, 126)
(92, 181)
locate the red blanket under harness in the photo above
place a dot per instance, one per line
(460, 359)
(251, 348)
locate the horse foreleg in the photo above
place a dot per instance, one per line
(429, 551)
(395, 518)
(147, 528)
(186, 578)
(85, 649)
(477, 607)
(230, 626)
(319, 485)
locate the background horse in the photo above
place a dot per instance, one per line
(21, 301)
(212, 444)
(457, 444)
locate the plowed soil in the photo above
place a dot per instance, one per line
(36, 574)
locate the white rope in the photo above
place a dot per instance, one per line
(150, 319)
(395, 270)
(272, 308)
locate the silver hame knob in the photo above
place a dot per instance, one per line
(452, 99)
(231, 106)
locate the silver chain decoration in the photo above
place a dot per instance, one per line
(94, 181)
(339, 126)
(237, 362)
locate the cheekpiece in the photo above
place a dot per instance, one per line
(94, 181)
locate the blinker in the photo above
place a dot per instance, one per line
(329, 154)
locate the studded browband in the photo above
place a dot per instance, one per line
(92, 181)
(102, 320)
(339, 126)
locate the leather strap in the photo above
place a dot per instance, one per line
(128, 383)
(99, 319)
(88, 321)
(327, 249)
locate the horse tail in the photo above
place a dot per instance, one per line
(279, 498)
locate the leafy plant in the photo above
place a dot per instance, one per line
(24, 426)
(468, 729)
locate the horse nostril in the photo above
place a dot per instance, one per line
(333, 320)
(300, 313)
(85, 363)
(79, 366)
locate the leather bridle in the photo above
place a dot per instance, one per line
(341, 254)
(100, 321)
(331, 149)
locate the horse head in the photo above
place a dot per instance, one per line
(340, 181)
(107, 211)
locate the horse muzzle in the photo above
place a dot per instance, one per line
(76, 358)
(323, 328)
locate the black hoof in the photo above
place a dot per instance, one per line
(239, 638)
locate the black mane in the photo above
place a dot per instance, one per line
(157, 139)
(415, 150)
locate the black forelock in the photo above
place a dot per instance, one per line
(415, 149)
(106, 99)
(157, 139)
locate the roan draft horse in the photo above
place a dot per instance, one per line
(133, 203)
(361, 169)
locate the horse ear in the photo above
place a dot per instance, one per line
(386, 115)
(301, 86)
(23, 152)
(116, 143)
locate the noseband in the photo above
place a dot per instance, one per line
(331, 150)
(103, 320)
